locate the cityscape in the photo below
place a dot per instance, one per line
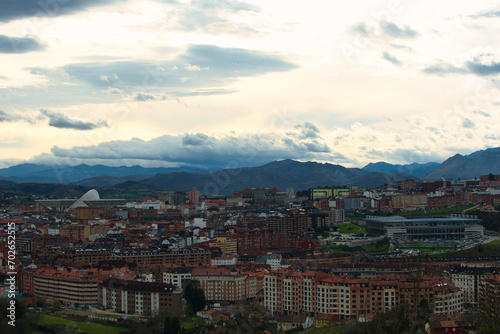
(330, 259)
(237, 167)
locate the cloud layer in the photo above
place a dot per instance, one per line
(58, 120)
(200, 70)
(205, 151)
(14, 10)
(19, 44)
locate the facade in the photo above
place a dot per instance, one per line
(410, 201)
(189, 257)
(75, 232)
(225, 284)
(142, 298)
(426, 229)
(85, 256)
(76, 287)
(263, 242)
(292, 223)
(228, 260)
(194, 197)
(180, 276)
(470, 281)
(336, 216)
(226, 245)
(315, 293)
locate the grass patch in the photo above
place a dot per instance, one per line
(336, 329)
(351, 228)
(489, 249)
(79, 326)
(339, 250)
(437, 212)
(376, 247)
(187, 325)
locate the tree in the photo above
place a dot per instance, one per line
(41, 302)
(255, 315)
(171, 325)
(195, 296)
(57, 304)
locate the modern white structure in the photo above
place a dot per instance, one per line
(453, 228)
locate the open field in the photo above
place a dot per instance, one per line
(338, 329)
(79, 326)
(351, 228)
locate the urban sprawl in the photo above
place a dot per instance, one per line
(321, 257)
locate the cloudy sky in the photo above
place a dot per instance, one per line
(231, 83)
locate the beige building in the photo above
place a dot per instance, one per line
(410, 202)
(315, 293)
(76, 287)
(225, 284)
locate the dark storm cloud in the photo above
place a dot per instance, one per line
(19, 9)
(19, 44)
(387, 56)
(62, 121)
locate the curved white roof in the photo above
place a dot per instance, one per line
(91, 195)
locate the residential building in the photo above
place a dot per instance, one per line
(179, 276)
(226, 245)
(227, 260)
(76, 287)
(225, 284)
(179, 257)
(141, 298)
(288, 292)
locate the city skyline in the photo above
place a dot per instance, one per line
(232, 84)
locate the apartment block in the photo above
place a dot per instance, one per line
(187, 257)
(410, 201)
(141, 298)
(179, 276)
(293, 223)
(85, 256)
(225, 284)
(76, 287)
(226, 245)
(316, 293)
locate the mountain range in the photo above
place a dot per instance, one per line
(280, 174)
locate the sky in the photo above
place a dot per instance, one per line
(216, 84)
